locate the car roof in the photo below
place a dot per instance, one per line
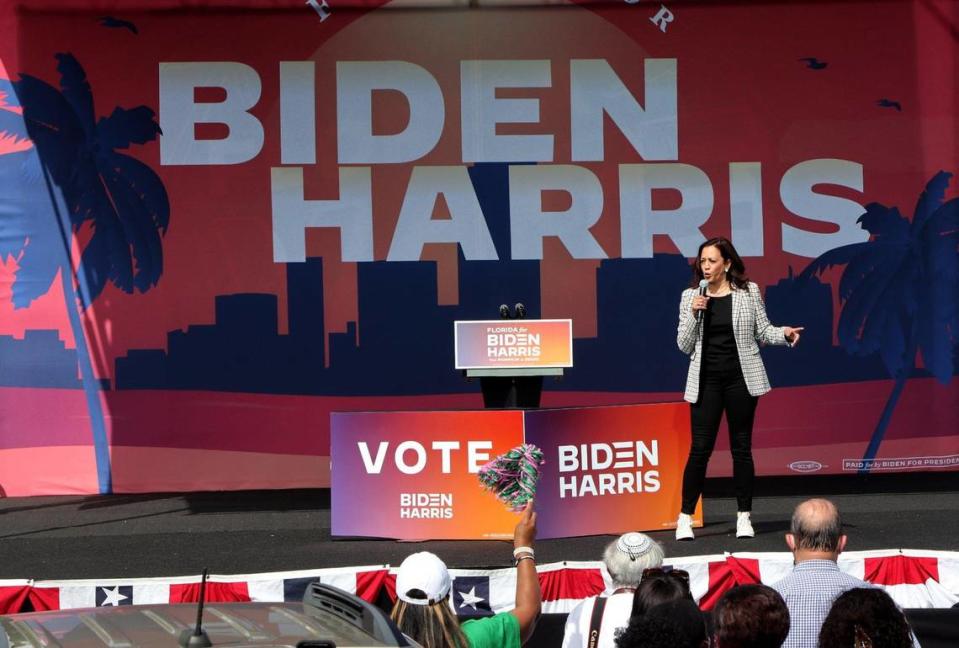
(226, 624)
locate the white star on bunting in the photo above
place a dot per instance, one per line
(470, 598)
(113, 596)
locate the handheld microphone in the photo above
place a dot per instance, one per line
(520, 310)
(504, 311)
(702, 293)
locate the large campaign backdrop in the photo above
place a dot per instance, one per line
(222, 221)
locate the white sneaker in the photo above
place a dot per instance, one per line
(744, 527)
(684, 527)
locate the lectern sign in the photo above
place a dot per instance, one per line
(513, 344)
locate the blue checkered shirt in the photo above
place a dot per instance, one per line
(809, 592)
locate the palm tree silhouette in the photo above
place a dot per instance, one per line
(74, 178)
(899, 292)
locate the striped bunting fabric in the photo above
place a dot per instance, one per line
(914, 579)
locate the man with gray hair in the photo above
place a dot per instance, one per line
(595, 621)
(816, 539)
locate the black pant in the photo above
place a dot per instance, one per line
(721, 390)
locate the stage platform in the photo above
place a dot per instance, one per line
(262, 531)
(165, 535)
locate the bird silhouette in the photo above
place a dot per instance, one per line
(110, 21)
(813, 63)
(889, 103)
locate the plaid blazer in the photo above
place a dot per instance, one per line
(751, 328)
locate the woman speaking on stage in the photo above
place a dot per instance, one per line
(722, 323)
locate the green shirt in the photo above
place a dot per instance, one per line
(499, 631)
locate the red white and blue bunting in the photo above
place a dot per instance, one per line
(914, 579)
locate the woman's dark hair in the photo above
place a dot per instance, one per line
(737, 269)
(867, 617)
(675, 624)
(656, 590)
(432, 626)
(751, 616)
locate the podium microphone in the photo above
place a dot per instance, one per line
(520, 311)
(504, 311)
(702, 293)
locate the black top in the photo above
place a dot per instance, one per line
(719, 343)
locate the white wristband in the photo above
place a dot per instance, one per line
(521, 550)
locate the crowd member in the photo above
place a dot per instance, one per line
(423, 611)
(674, 624)
(626, 559)
(658, 587)
(865, 618)
(750, 616)
(816, 540)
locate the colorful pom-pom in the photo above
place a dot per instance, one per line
(512, 476)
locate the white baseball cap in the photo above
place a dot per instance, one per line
(423, 571)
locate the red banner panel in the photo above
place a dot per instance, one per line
(223, 221)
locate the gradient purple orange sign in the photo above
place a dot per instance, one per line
(413, 475)
(508, 344)
(610, 469)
